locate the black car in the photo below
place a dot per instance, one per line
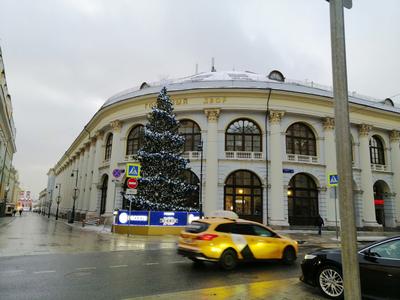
(379, 270)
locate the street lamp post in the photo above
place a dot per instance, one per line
(75, 196)
(50, 202)
(58, 186)
(200, 148)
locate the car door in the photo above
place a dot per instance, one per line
(243, 238)
(380, 270)
(265, 244)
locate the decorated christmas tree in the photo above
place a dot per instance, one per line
(162, 186)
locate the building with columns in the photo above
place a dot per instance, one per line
(8, 177)
(268, 148)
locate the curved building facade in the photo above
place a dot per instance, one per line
(268, 147)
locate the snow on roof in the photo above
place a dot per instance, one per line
(242, 80)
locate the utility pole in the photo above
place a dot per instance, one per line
(75, 196)
(348, 233)
(58, 186)
(50, 202)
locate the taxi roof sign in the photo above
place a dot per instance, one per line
(227, 214)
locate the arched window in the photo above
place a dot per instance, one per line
(376, 150)
(191, 131)
(192, 199)
(243, 195)
(107, 154)
(103, 200)
(300, 140)
(243, 135)
(302, 200)
(135, 140)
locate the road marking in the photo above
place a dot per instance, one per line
(151, 263)
(178, 262)
(119, 266)
(44, 272)
(11, 271)
(86, 268)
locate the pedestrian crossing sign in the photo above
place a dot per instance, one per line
(133, 170)
(333, 179)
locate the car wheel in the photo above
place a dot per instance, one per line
(228, 259)
(289, 256)
(330, 282)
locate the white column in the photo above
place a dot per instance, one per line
(330, 162)
(85, 193)
(81, 180)
(210, 203)
(89, 178)
(68, 191)
(72, 179)
(66, 196)
(116, 154)
(395, 154)
(277, 214)
(369, 218)
(78, 203)
(95, 177)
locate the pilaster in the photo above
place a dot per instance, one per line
(116, 156)
(89, 179)
(211, 194)
(95, 177)
(395, 154)
(330, 162)
(276, 176)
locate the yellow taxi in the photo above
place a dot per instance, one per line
(228, 240)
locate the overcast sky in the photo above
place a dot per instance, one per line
(64, 58)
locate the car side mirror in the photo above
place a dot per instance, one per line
(370, 255)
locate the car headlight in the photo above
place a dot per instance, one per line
(310, 256)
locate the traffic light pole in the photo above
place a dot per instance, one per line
(348, 234)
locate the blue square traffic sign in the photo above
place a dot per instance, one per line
(133, 170)
(333, 179)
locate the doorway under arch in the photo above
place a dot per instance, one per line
(103, 199)
(381, 190)
(302, 200)
(243, 195)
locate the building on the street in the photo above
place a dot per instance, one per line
(13, 187)
(43, 201)
(7, 141)
(254, 127)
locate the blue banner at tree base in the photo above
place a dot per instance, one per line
(156, 218)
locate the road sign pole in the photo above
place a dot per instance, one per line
(351, 274)
(336, 220)
(129, 214)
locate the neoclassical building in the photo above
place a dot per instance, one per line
(268, 147)
(8, 178)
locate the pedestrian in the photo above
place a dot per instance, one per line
(20, 211)
(319, 222)
(14, 212)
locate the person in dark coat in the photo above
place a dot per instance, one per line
(319, 222)
(20, 211)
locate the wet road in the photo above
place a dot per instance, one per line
(42, 259)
